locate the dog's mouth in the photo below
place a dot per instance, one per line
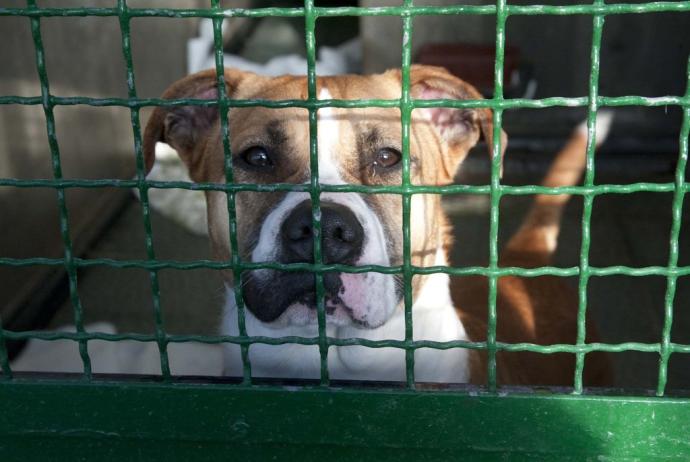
(268, 294)
(290, 298)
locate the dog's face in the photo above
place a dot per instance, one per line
(355, 146)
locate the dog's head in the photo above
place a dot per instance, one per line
(355, 146)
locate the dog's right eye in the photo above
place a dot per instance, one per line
(257, 156)
(387, 158)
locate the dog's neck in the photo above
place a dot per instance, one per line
(434, 318)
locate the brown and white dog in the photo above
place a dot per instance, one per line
(362, 146)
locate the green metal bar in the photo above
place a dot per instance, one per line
(454, 189)
(677, 212)
(405, 118)
(56, 165)
(495, 194)
(4, 357)
(364, 189)
(351, 341)
(588, 200)
(124, 18)
(230, 180)
(646, 271)
(512, 10)
(210, 422)
(676, 348)
(513, 103)
(310, 16)
(329, 268)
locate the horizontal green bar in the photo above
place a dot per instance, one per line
(59, 420)
(52, 336)
(554, 101)
(504, 190)
(515, 103)
(680, 348)
(612, 8)
(154, 12)
(232, 103)
(640, 271)
(331, 268)
(511, 10)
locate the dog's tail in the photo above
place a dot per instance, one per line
(534, 243)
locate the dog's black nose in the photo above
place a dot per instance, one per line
(342, 234)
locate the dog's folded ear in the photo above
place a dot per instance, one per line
(459, 129)
(184, 127)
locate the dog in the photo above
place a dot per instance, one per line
(363, 147)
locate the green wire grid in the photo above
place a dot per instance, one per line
(495, 195)
(62, 204)
(495, 190)
(143, 191)
(310, 17)
(229, 179)
(677, 210)
(588, 199)
(405, 117)
(406, 10)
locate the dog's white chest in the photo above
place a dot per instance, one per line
(434, 319)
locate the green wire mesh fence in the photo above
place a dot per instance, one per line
(495, 190)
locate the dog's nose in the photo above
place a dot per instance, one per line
(342, 234)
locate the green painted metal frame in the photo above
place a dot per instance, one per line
(258, 420)
(136, 421)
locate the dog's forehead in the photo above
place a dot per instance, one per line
(293, 122)
(382, 86)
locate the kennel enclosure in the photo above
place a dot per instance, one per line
(75, 417)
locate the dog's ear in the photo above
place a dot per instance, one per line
(459, 129)
(183, 127)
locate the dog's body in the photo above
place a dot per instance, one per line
(362, 146)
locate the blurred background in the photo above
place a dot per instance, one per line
(641, 54)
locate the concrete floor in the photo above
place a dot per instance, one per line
(627, 230)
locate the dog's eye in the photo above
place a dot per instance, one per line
(387, 157)
(256, 156)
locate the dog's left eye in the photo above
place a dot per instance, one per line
(387, 157)
(256, 156)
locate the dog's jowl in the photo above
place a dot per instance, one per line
(357, 147)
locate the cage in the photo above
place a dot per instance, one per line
(631, 274)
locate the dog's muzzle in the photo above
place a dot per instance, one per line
(342, 240)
